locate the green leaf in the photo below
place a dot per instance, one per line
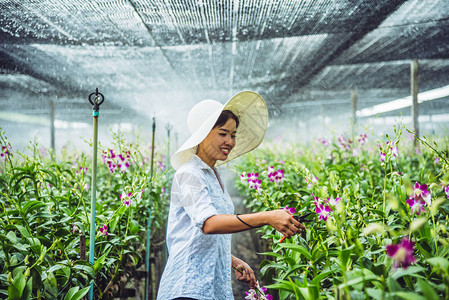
(23, 231)
(427, 290)
(13, 293)
(98, 264)
(28, 289)
(411, 271)
(284, 285)
(374, 293)
(272, 254)
(19, 283)
(22, 247)
(56, 267)
(32, 205)
(84, 266)
(439, 263)
(116, 218)
(358, 280)
(297, 248)
(273, 265)
(393, 285)
(51, 286)
(71, 293)
(293, 269)
(423, 251)
(12, 237)
(408, 296)
(62, 232)
(134, 227)
(316, 281)
(81, 293)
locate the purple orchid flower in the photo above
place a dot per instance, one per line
(292, 210)
(402, 253)
(323, 211)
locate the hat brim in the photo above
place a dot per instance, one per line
(252, 112)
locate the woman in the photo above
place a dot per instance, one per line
(201, 215)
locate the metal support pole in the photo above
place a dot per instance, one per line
(354, 113)
(168, 127)
(148, 288)
(414, 92)
(52, 126)
(96, 99)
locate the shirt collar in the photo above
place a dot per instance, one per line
(200, 163)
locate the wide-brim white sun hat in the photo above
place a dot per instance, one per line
(248, 106)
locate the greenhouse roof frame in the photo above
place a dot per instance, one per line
(150, 55)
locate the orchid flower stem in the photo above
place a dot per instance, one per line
(384, 193)
(435, 233)
(428, 145)
(259, 292)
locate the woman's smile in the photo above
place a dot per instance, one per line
(218, 144)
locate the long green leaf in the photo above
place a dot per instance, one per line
(23, 231)
(86, 268)
(28, 289)
(411, 271)
(355, 281)
(19, 283)
(32, 205)
(81, 293)
(316, 281)
(427, 290)
(408, 296)
(440, 263)
(51, 286)
(297, 248)
(71, 293)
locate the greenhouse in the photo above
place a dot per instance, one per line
(224, 149)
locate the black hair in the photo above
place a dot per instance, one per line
(225, 116)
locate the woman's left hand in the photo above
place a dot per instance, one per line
(247, 274)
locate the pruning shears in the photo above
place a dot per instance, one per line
(300, 219)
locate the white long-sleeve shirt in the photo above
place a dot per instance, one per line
(199, 264)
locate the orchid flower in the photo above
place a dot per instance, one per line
(126, 198)
(243, 178)
(5, 152)
(420, 192)
(252, 176)
(393, 150)
(333, 201)
(363, 139)
(402, 254)
(260, 293)
(382, 156)
(292, 210)
(104, 230)
(416, 206)
(323, 211)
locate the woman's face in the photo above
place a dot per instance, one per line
(218, 143)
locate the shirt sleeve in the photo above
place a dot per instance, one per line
(190, 191)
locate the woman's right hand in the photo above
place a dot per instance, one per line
(283, 221)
